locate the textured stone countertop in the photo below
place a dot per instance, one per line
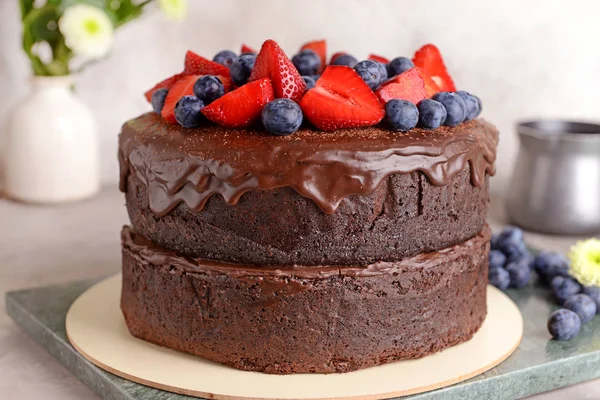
(54, 244)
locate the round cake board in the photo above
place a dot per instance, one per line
(96, 328)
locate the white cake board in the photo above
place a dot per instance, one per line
(96, 328)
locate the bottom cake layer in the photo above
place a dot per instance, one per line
(305, 319)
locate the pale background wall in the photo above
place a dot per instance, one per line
(523, 58)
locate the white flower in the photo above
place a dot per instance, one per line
(173, 9)
(87, 30)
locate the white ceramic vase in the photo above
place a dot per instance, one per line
(51, 148)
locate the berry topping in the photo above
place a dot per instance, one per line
(341, 99)
(208, 88)
(307, 62)
(247, 50)
(371, 72)
(429, 59)
(282, 116)
(432, 114)
(272, 63)
(519, 272)
(401, 115)
(472, 104)
(187, 111)
(582, 305)
(320, 48)
(497, 259)
(310, 82)
(345, 59)
(225, 57)
(563, 288)
(241, 107)
(335, 56)
(242, 68)
(500, 278)
(564, 324)
(399, 65)
(158, 99)
(456, 109)
(198, 65)
(166, 84)
(377, 58)
(431, 87)
(406, 86)
(183, 87)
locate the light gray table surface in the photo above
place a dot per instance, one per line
(42, 245)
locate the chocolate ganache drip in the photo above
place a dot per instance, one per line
(190, 165)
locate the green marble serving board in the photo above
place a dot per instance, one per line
(538, 365)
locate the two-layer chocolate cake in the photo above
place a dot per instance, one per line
(318, 251)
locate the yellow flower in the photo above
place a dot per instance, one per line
(87, 30)
(585, 262)
(173, 9)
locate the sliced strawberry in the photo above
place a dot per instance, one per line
(198, 65)
(407, 86)
(381, 59)
(226, 81)
(341, 99)
(429, 59)
(167, 83)
(272, 63)
(336, 55)
(183, 87)
(247, 49)
(431, 87)
(241, 107)
(319, 47)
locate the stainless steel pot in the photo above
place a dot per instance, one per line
(555, 186)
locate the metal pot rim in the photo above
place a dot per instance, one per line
(556, 129)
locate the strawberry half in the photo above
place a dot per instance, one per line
(247, 49)
(336, 55)
(429, 60)
(408, 85)
(198, 65)
(183, 87)
(241, 107)
(431, 87)
(381, 59)
(341, 99)
(272, 63)
(167, 84)
(319, 47)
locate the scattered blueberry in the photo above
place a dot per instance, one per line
(563, 287)
(432, 114)
(240, 70)
(187, 111)
(471, 103)
(520, 274)
(548, 265)
(398, 65)
(495, 242)
(282, 116)
(455, 107)
(401, 115)
(564, 324)
(497, 259)
(158, 99)
(307, 62)
(345, 59)
(225, 57)
(500, 278)
(370, 72)
(208, 88)
(594, 293)
(310, 82)
(582, 305)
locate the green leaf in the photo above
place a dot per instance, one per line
(26, 7)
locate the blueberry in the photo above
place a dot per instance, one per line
(399, 65)
(479, 106)
(345, 59)
(456, 109)
(401, 115)
(241, 68)
(370, 72)
(187, 111)
(310, 82)
(594, 293)
(158, 99)
(471, 103)
(225, 57)
(432, 114)
(564, 324)
(282, 116)
(383, 69)
(208, 88)
(520, 274)
(497, 259)
(500, 278)
(563, 287)
(307, 62)
(582, 305)
(495, 242)
(549, 264)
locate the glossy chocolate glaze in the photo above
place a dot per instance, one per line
(190, 165)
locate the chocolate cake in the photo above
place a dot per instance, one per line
(304, 251)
